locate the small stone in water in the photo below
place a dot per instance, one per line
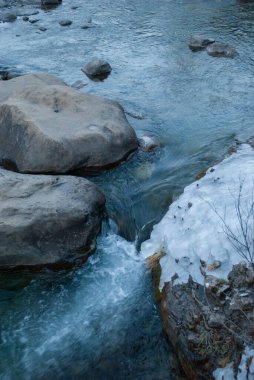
(97, 68)
(147, 143)
(34, 21)
(87, 25)
(199, 43)
(221, 50)
(65, 22)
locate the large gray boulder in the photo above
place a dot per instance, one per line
(48, 127)
(47, 219)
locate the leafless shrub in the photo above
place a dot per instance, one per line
(242, 238)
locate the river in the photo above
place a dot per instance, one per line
(101, 321)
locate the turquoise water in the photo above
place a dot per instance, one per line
(101, 321)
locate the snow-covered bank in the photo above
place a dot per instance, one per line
(193, 230)
(204, 233)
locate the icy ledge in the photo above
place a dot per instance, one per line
(192, 230)
(194, 236)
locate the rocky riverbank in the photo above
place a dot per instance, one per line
(207, 277)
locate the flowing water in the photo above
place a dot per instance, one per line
(101, 321)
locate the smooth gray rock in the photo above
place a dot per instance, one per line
(148, 143)
(97, 68)
(37, 79)
(47, 219)
(221, 50)
(65, 22)
(48, 4)
(48, 127)
(199, 43)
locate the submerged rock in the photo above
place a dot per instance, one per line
(48, 4)
(200, 43)
(98, 69)
(87, 24)
(221, 50)
(65, 22)
(47, 219)
(48, 127)
(42, 28)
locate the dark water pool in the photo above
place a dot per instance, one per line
(101, 321)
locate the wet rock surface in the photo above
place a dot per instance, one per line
(198, 43)
(47, 220)
(48, 127)
(148, 143)
(221, 50)
(209, 325)
(65, 22)
(97, 69)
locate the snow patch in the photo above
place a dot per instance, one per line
(245, 369)
(192, 230)
(224, 373)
